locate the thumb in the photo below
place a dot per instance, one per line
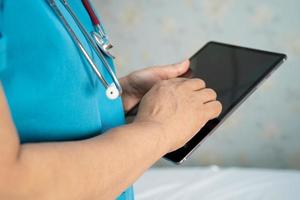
(176, 70)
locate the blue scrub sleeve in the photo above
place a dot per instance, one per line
(1, 15)
(2, 40)
(2, 54)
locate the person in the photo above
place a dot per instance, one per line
(60, 136)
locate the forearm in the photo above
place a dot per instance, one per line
(99, 168)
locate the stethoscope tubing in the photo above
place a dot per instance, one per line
(81, 47)
(97, 50)
(77, 42)
(94, 18)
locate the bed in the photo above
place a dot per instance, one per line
(217, 183)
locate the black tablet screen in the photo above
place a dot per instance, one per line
(233, 72)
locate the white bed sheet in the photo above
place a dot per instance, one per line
(215, 183)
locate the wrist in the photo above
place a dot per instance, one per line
(159, 133)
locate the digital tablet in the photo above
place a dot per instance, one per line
(234, 72)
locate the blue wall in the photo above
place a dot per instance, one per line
(265, 130)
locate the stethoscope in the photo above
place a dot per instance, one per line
(97, 39)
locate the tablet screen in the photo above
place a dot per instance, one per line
(233, 72)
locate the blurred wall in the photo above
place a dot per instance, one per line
(264, 131)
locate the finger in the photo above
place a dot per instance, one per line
(206, 95)
(212, 109)
(195, 84)
(174, 70)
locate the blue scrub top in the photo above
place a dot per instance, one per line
(52, 92)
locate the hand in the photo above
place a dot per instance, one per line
(180, 107)
(138, 83)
